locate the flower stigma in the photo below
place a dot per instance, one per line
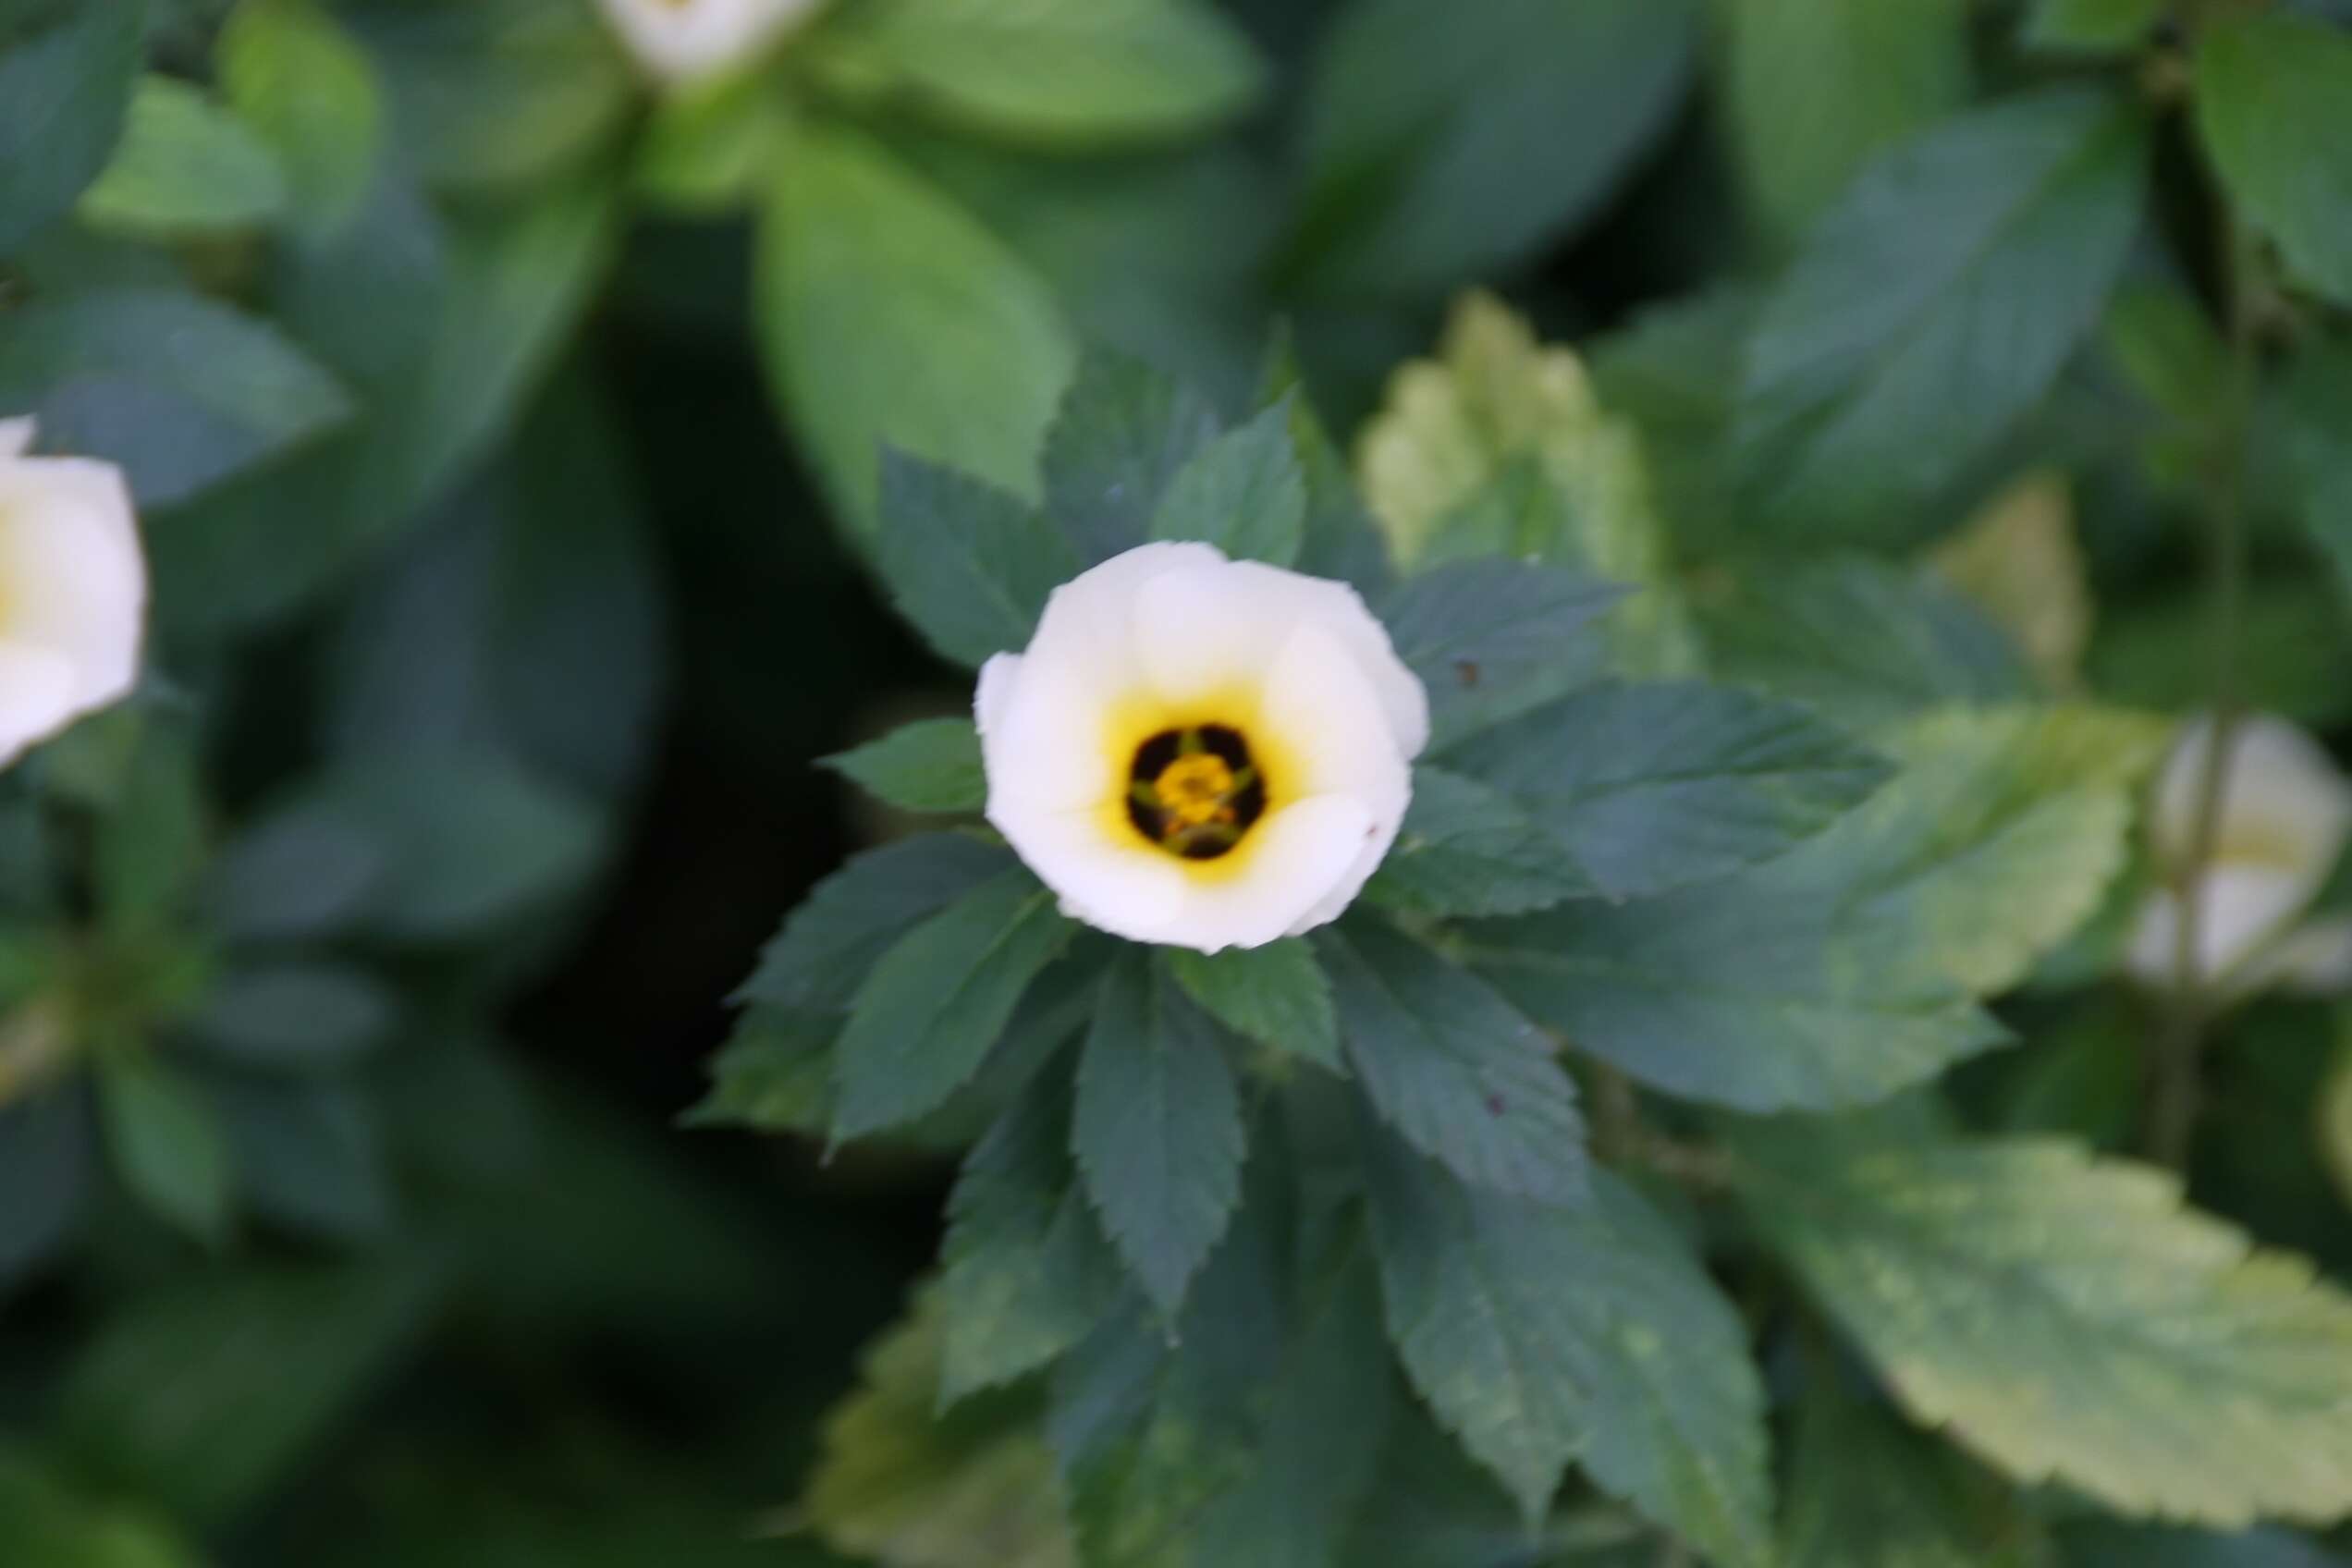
(1194, 792)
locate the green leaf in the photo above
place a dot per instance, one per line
(45, 1521)
(1844, 970)
(1445, 144)
(932, 764)
(1935, 303)
(1499, 445)
(1652, 786)
(1060, 73)
(1121, 433)
(1467, 849)
(936, 1003)
(304, 869)
(1452, 1068)
(489, 95)
(2107, 1543)
(1544, 1335)
(444, 328)
(968, 563)
(154, 838)
(1277, 995)
(887, 315)
(291, 1349)
(1865, 643)
(900, 1484)
(2092, 26)
(2066, 1319)
(1494, 638)
(1027, 1273)
(1877, 72)
(1242, 493)
(181, 391)
(1864, 1492)
(1157, 1129)
(775, 1074)
(2271, 91)
(45, 1160)
(830, 943)
(292, 73)
(2319, 429)
(64, 88)
(308, 1155)
(185, 167)
(298, 1016)
(165, 1143)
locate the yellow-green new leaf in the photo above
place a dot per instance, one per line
(2067, 1319)
(185, 167)
(2020, 561)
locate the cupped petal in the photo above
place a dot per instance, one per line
(36, 698)
(1341, 611)
(1295, 857)
(1091, 621)
(1327, 721)
(73, 580)
(1104, 874)
(1045, 735)
(2241, 907)
(2284, 801)
(679, 40)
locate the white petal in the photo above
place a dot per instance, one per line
(1090, 622)
(2242, 907)
(1046, 740)
(1295, 857)
(681, 39)
(1322, 713)
(1104, 873)
(36, 698)
(16, 437)
(2283, 799)
(2316, 960)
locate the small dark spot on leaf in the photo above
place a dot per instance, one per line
(1494, 1105)
(1467, 671)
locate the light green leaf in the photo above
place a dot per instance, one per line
(1499, 445)
(905, 1487)
(887, 315)
(45, 1521)
(1652, 786)
(2019, 561)
(165, 1143)
(1467, 849)
(937, 1001)
(831, 942)
(1876, 71)
(2066, 1319)
(1876, 373)
(1242, 493)
(932, 764)
(181, 391)
(184, 167)
(706, 145)
(1075, 73)
(290, 1348)
(1865, 643)
(1543, 1335)
(64, 88)
(1277, 995)
(2092, 26)
(2271, 91)
(968, 563)
(775, 1074)
(1119, 437)
(1864, 1492)
(1492, 639)
(1027, 1273)
(1444, 144)
(290, 72)
(1157, 1129)
(298, 1016)
(1445, 1061)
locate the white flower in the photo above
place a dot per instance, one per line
(685, 39)
(2284, 813)
(73, 590)
(1199, 752)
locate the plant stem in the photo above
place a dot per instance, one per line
(2172, 1109)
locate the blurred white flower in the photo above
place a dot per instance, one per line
(685, 40)
(1199, 752)
(73, 590)
(2284, 813)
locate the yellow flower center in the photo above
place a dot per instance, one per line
(1195, 791)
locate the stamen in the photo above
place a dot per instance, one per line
(1195, 791)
